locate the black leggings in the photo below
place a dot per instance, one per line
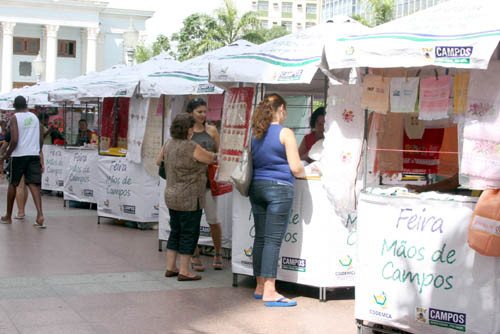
(184, 231)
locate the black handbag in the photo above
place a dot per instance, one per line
(161, 171)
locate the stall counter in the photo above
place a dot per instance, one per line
(319, 246)
(416, 271)
(55, 168)
(80, 178)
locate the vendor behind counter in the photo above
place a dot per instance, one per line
(317, 123)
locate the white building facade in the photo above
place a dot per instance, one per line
(362, 8)
(73, 37)
(294, 15)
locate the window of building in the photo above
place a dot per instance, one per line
(275, 23)
(311, 11)
(26, 46)
(264, 24)
(287, 25)
(66, 48)
(310, 24)
(299, 26)
(286, 9)
(263, 8)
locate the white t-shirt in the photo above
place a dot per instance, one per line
(29, 135)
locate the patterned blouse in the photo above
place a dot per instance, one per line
(186, 177)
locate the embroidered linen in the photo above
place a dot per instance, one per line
(137, 119)
(342, 146)
(414, 127)
(434, 97)
(448, 162)
(404, 92)
(376, 93)
(483, 98)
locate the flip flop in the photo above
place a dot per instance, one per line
(19, 217)
(39, 226)
(4, 222)
(281, 303)
(256, 296)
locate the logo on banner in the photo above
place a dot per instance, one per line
(60, 183)
(205, 231)
(427, 52)
(380, 301)
(46, 180)
(156, 209)
(88, 193)
(106, 203)
(249, 255)
(453, 54)
(346, 271)
(130, 209)
(223, 73)
(205, 88)
(122, 92)
(293, 264)
(70, 189)
(349, 51)
(346, 262)
(290, 75)
(421, 314)
(447, 319)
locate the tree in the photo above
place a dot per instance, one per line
(383, 10)
(265, 35)
(144, 52)
(202, 33)
(361, 20)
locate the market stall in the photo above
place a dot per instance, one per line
(180, 84)
(289, 66)
(433, 108)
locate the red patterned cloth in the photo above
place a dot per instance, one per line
(423, 163)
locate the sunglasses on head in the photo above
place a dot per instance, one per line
(198, 100)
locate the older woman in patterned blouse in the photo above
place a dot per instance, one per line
(185, 168)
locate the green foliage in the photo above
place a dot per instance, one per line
(144, 52)
(383, 10)
(262, 35)
(361, 20)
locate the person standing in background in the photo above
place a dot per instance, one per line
(207, 137)
(276, 164)
(24, 154)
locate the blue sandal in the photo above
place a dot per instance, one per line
(281, 303)
(256, 296)
(218, 265)
(197, 266)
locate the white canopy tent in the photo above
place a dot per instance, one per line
(290, 61)
(191, 76)
(456, 34)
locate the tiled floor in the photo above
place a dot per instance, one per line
(78, 277)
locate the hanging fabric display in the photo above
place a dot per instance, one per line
(389, 156)
(427, 160)
(342, 146)
(483, 98)
(376, 93)
(461, 88)
(414, 127)
(448, 161)
(434, 97)
(136, 128)
(404, 92)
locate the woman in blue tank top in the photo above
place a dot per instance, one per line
(276, 164)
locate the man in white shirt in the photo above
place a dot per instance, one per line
(24, 151)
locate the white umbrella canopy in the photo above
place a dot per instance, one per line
(289, 63)
(459, 34)
(190, 76)
(116, 81)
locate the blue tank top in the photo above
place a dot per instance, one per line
(269, 157)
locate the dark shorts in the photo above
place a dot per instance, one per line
(28, 166)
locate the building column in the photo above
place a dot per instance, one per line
(101, 39)
(83, 51)
(51, 52)
(7, 51)
(91, 49)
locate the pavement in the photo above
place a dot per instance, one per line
(78, 277)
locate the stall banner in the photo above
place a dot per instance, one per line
(416, 271)
(126, 191)
(79, 181)
(137, 119)
(298, 114)
(318, 248)
(441, 35)
(56, 164)
(234, 129)
(224, 215)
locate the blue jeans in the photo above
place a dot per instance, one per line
(271, 207)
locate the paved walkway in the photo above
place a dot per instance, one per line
(78, 277)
